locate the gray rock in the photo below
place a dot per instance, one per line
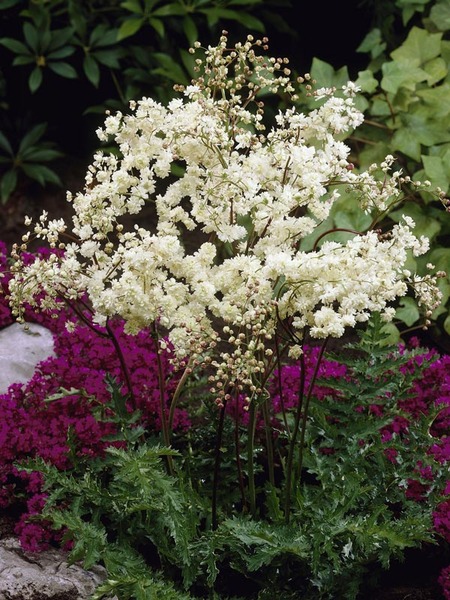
(21, 349)
(43, 576)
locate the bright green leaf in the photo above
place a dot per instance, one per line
(436, 100)
(437, 70)
(447, 324)
(440, 15)
(63, 69)
(8, 184)
(373, 43)
(325, 75)
(35, 79)
(419, 47)
(366, 81)
(440, 258)
(436, 171)
(129, 28)
(109, 58)
(405, 140)
(408, 311)
(403, 73)
(133, 6)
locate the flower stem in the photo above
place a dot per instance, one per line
(250, 459)
(214, 521)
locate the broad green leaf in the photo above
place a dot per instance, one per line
(437, 70)
(427, 130)
(63, 69)
(447, 324)
(5, 145)
(4, 4)
(403, 73)
(440, 258)
(250, 22)
(91, 70)
(35, 79)
(32, 136)
(15, 46)
(373, 43)
(437, 100)
(129, 28)
(32, 37)
(190, 29)
(405, 140)
(408, 311)
(436, 171)
(169, 68)
(325, 75)
(440, 15)
(392, 334)
(419, 47)
(8, 184)
(366, 81)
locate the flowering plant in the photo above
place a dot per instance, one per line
(232, 277)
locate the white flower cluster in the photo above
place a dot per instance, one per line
(246, 196)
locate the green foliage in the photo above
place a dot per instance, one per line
(407, 114)
(125, 50)
(27, 160)
(152, 531)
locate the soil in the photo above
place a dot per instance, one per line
(415, 579)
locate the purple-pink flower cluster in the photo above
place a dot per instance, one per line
(34, 425)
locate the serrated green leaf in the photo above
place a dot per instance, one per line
(437, 70)
(436, 171)
(373, 43)
(129, 28)
(447, 324)
(440, 15)
(325, 75)
(35, 79)
(15, 46)
(419, 47)
(63, 69)
(402, 73)
(8, 184)
(405, 140)
(91, 70)
(366, 81)
(408, 311)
